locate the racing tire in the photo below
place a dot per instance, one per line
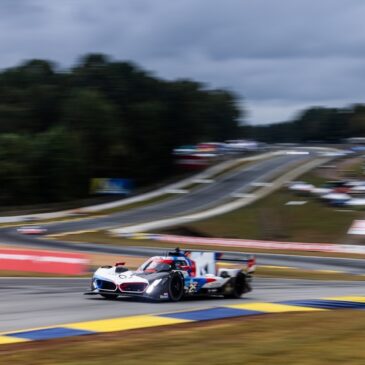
(175, 288)
(240, 286)
(109, 296)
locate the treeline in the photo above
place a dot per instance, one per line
(330, 125)
(101, 118)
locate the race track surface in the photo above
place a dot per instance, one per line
(200, 199)
(38, 302)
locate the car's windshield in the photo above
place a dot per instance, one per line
(153, 265)
(156, 264)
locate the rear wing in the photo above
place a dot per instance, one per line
(205, 261)
(249, 262)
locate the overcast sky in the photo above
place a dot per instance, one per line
(279, 55)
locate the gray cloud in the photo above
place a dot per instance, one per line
(280, 55)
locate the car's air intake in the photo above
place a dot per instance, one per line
(133, 287)
(105, 285)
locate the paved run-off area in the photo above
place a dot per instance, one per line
(57, 308)
(188, 316)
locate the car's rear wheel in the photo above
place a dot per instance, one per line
(176, 287)
(240, 286)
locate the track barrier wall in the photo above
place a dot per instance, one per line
(43, 261)
(244, 243)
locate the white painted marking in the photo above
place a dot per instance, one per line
(203, 181)
(259, 184)
(242, 195)
(176, 191)
(279, 267)
(357, 227)
(296, 202)
(69, 233)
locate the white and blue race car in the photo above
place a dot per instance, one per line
(177, 275)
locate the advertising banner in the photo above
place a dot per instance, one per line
(111, 186)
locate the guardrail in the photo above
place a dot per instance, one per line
(244, 243)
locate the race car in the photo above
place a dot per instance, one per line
(32, 230)
(177, 275)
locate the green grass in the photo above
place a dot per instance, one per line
(314, 177)
(271, 219)
(193, 186)
(326, 338)
(356, 170)
(235, 167)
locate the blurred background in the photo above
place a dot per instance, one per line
(128, 128)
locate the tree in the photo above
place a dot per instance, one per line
(92, 118)
(15, 171)
(101, 118)
(59, 166)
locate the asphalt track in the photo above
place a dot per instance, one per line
(38, 302)
(200, 199)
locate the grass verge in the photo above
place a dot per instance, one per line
(292, 338)
(271, 219)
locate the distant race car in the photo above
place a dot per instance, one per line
(32, 230)
(175, 276)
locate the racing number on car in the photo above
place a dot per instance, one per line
(192, 287)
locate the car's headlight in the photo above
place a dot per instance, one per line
(94, 284)
(153, 286)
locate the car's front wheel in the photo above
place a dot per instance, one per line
(176, 287)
